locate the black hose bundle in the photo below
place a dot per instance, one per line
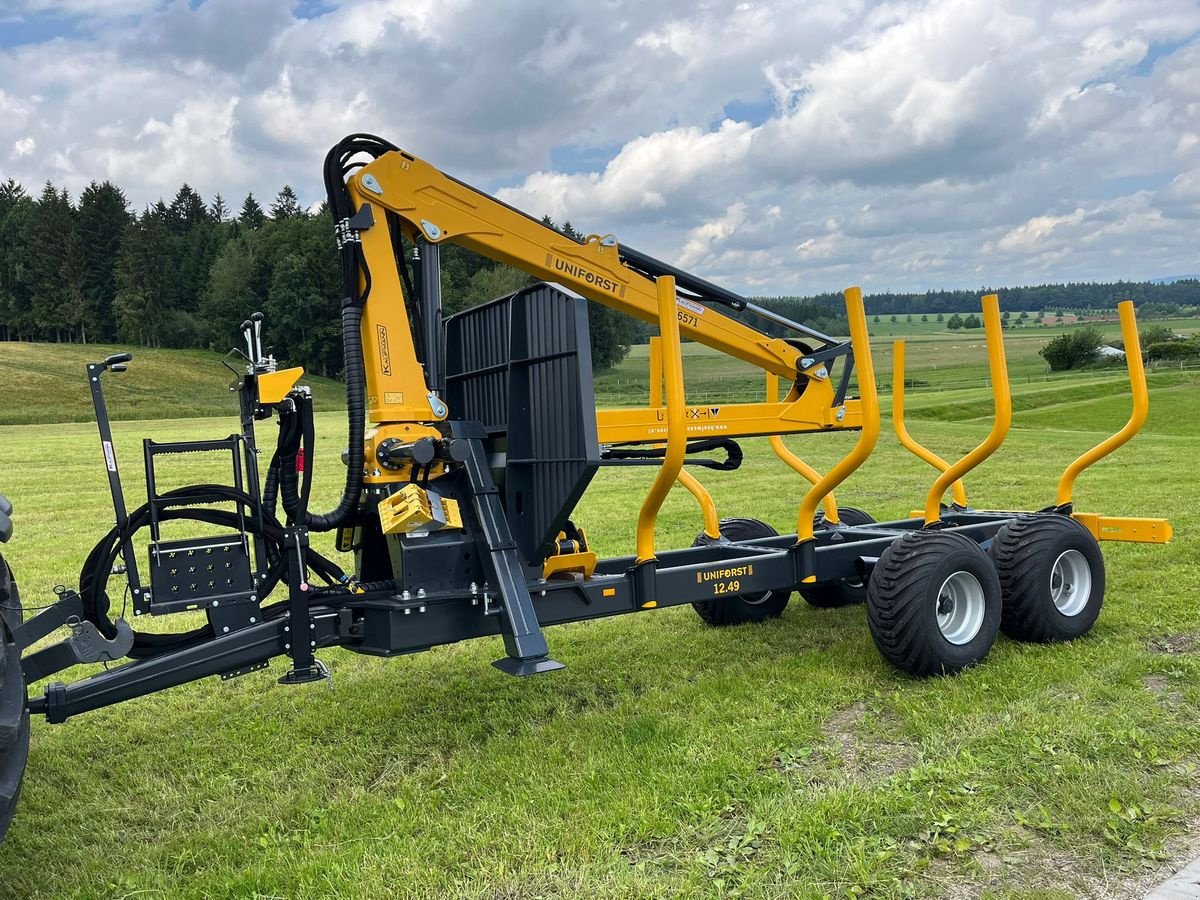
(93, 578)
(733, 453)
(356, 287)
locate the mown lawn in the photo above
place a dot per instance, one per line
(47, 383)
(668, 759)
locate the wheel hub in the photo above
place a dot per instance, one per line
(960, 608)
(1070, 582)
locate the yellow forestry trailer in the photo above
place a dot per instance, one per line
(471, 440)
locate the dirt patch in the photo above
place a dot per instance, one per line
(1176, 643)
(1028, 863)
(1156, 684)
(850, 748)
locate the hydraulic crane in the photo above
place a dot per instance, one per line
(470, 441)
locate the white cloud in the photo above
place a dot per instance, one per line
(775, 146)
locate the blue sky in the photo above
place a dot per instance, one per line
(771, 146)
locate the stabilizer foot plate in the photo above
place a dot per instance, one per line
(522, 667)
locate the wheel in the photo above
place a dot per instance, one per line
(14, 717)
(848, 590)
(933, 603)
(739, 608)
(1051, 576)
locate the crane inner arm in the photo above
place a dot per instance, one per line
(439, 208)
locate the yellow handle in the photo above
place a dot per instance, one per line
(860, 342)
(668, 328)
(1003, 400)
(1141, 404)
(907, 440)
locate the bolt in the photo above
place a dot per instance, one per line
(226, 629)
(420, 592)
(421, 609)
(406, 595)
(287, 646)
(408, 612)
(216, 603)
(312, 626)
(254, 598)
(312, 643)
(287, 627)
(253, 620)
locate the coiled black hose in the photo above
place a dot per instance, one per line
(97, 568)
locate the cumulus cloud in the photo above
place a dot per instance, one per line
(774, 146)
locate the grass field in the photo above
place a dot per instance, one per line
(669, 759)
(47, 383)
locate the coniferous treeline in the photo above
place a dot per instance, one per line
(1182, 296)
(187, 273)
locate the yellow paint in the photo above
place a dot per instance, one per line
(581, 563)
(795, 462)
(396, 388)
(418, 193)
(413, 508)
(1003, 419)
(274, 386)
(650, 605)
(906, 440)
(860, 341)
(676, 436)
(609, 592)
(712, 522)
(1132, 530)
(407, 433)
(1141, 404)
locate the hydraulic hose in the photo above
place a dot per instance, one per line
(93, 578)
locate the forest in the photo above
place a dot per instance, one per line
(186, 273)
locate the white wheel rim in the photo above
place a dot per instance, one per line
(960, 608)
(1071, 582)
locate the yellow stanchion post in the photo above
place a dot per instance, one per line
(860, 342)
(1002, 395)
(907, 440)
(672, 356)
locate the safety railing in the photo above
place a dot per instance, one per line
(1002, 395)
(860, 342)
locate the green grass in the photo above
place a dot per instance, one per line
(669, 759)
(47, 383)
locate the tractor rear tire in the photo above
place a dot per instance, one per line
(847, 591)
(739, 608)
(933, 603)
(1051, 576)
(14, 717)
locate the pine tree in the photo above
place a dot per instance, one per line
(218, 210)
(187, 211)
(17, 210)
(50, 233)
(286, 205)
(102, 219)
(252, 215)
(142, 276)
